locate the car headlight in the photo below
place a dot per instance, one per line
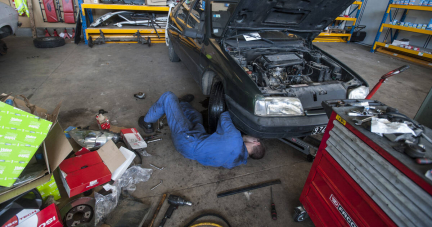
(358, 93)
(278, 106)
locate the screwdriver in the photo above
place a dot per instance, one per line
(273, 206)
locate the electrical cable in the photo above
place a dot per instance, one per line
(204, 215)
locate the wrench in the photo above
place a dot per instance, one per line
(360, 122)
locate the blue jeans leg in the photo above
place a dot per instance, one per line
(168, 104)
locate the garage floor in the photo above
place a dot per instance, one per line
(107, 76)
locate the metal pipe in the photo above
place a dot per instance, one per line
(248, 188)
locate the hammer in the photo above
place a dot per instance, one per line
(175, 202)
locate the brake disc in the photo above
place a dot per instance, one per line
(79, 212)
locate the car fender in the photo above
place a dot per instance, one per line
(8, 17)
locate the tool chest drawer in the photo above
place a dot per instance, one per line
(350, 184)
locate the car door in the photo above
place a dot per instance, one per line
(195, 20)
(178, 23)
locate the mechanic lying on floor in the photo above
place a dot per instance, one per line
(226, 147)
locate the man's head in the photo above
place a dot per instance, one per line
(254, 147)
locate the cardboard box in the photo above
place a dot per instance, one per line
(49, 188)
(21, 135)
(133, 139)
(20, 217)
(156, 2)
(84, 172)
(48, 217)
(129, 155)
(55, 147)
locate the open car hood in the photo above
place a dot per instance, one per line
(305, 18)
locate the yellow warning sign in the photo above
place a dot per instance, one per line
(339, 118)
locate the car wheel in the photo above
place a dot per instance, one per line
(48, 42)
(172, 54)
(216, 105)
(5, 32)
(3, 48)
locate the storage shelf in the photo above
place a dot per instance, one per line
(123, 7)
(407, 54)
(334, 34)
(423, 8)
(410, 29)
(404, 50)
(346, 18)
(129, 30)
(125, 30)
(329, 39)
(405, 57)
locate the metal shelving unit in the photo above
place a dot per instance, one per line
(126, 31)
(342, 37)
(408, 54)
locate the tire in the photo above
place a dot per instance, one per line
(48, 42)
(3, 48)
(5, 32)
(216, 105)
(172, 54)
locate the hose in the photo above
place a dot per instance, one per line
(204, 215)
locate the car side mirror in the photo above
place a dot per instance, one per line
(193, 33)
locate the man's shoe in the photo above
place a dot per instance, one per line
(148, 127)
(187, 98)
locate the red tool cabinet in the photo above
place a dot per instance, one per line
(359, 179)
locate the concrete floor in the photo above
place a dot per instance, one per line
(107, 76)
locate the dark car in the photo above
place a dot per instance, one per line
(256, 60)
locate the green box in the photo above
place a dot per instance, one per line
(49, 188)
(21, 134)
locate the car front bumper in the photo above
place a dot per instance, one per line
(273, 127)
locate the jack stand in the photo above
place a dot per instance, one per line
(47, 34)
(55, 33)
(102, 39)
(141, 39)
(66, 34)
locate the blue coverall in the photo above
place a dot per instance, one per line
(223, 148)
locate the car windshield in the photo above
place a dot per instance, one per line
(221, 12)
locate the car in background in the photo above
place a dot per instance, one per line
(8, 24)
(256, 60)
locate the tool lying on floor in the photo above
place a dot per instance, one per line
(175, 202)
(273, 206)
(139, 95)
(248, 188)
(157, 210)
(158, 168)
(156, 185)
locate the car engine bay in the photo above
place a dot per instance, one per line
(276, 70)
